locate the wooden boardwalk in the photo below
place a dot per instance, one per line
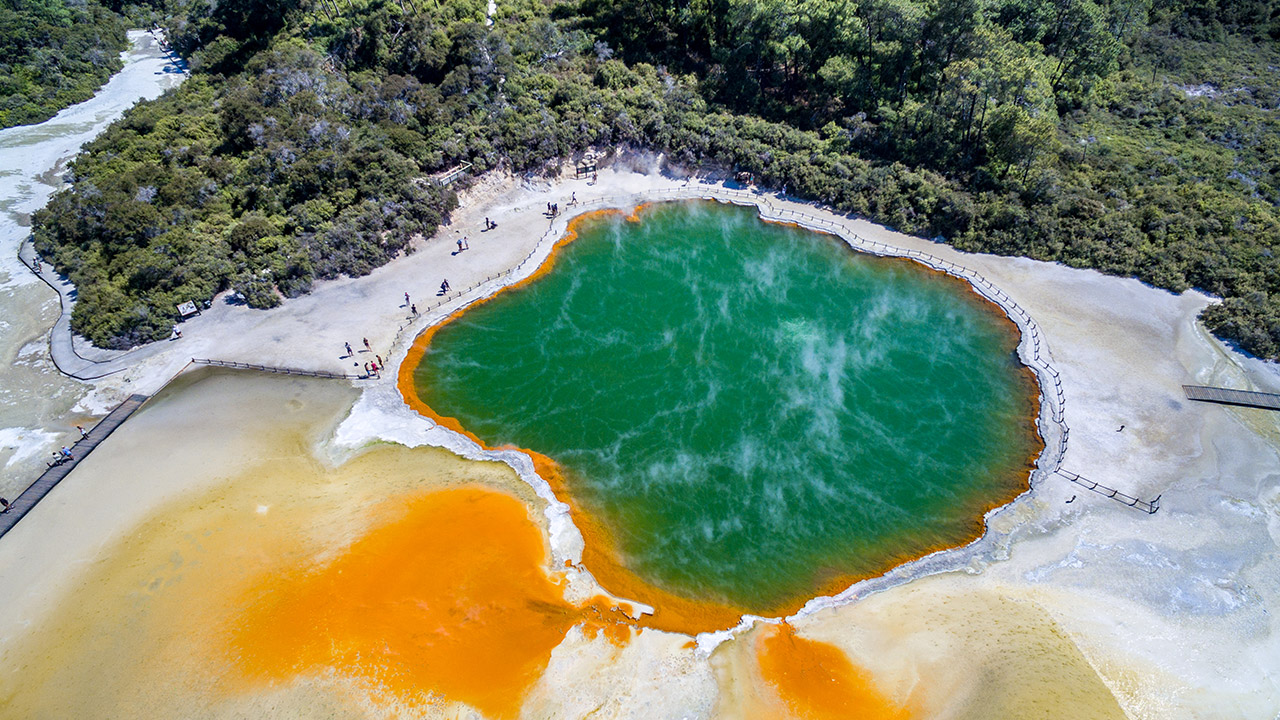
(1225, 396)
(51, 477)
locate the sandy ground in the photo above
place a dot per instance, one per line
(1148, 616)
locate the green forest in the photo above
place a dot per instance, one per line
(1133, 137)
(54, 53)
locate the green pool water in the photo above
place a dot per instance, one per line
(752, 410)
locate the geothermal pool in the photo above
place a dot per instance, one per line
(749, 414)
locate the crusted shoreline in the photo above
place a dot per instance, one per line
(700, 617)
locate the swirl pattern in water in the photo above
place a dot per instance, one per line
(753, 412)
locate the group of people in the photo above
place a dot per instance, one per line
(489, 225)
(373, 367)
(553, 209)
(62, 456)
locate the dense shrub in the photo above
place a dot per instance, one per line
(54, 54)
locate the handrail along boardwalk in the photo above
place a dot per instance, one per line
(277, 370)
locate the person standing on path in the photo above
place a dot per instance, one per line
(367, 348)
(444, 286)
(406, 299)
(379, 357)
(413, 309)
(5, 504)
(348, 347)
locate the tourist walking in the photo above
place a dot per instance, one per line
(83, 434)
(406, 299)
(367, 348)
(348, 347)
(444, 287)
(4, 504)
(413, 309)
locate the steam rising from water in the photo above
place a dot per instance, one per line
(752, 410)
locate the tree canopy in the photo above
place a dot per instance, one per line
(54, 53)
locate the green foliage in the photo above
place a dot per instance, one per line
(54, 54)
(261, 184)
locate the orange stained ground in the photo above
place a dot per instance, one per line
(450, 598)
(816, 681)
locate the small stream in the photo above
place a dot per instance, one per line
(39, 408)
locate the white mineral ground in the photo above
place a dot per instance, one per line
(39, 408)
(1080, 609)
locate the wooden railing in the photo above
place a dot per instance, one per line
(1150, 507)
(275, 369)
